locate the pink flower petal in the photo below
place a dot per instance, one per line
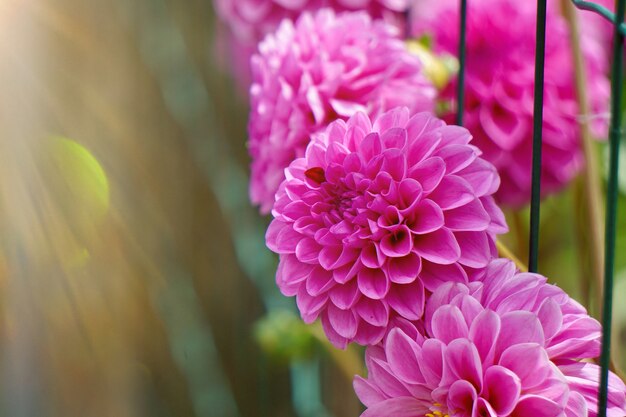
(395, 118)
(272, 233)
(439, 247)
(428, 172)
(461, 398)
(426, 218)
(390, 385)
(394, 138)
(551, 317)
(402, 356)
(498, 223)
(335, 338)
(310, 306)
(291, 271)
(373, 283)
(452, 192)
(372, 256)
(343, 321)
(422, 126)
(404, 270)
(519, 327)
(397, 407)
(484, 332)
(368, 335)
(315, 102)
(457, 157)
(345, 296)
(432, 360)
(307, 251)
(503, 126)
(331, 257)
(461, 361)
(576, 405)
(394, 163)
(319, 281)
(295, 210)
(367, 392)
(433, 275)
(528, 361)
(448, 324)
(409, 195)
(347, 272)
(469, 217)
(502, 388)
(532, 405)
(370, 147)
(407, 299)
(482, 177)
(483, 409)
(397, 244)
(346, 108)
(475, 249)
(374, 312)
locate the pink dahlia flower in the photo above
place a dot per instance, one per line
(500, 87)
(508, 345)
(251, 20)
(374, 214)
(325, 67)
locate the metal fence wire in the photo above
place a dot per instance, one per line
(615, 132)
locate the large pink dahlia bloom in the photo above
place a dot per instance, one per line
(500, 87)
(508, 345)
(374, 214)
(324, 67)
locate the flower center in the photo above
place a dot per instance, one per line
(436, 413)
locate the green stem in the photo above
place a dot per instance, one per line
(591, 173)
(508, 253)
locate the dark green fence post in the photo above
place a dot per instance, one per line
(611, 206)
(460, 88)
(540, 55)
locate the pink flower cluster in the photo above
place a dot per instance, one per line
(323, 67)
(506, 345)
(500, 87)
(384, 217)
(375, 214)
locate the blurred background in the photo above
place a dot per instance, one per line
(134, 279)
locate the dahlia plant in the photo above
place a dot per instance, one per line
(500, 85)
(323, 67)
(377, 213)
(508, 344)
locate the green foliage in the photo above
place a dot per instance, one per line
(284, 336)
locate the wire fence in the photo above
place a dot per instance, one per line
(615, 132)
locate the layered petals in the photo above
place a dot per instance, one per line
(478, 353)
(500, 81)
(372, 219)
(323, 67)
